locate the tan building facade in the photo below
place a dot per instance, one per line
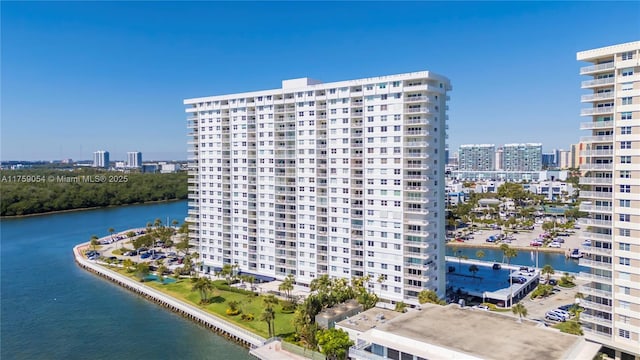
(610, 169)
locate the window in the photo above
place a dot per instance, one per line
(627, 55)
(624, 333)
(624, 246)
(383, 107)
(624, 232)
(625, 174)
(627, 100)
(625, 261)
(627, 72)
(625, 188)
(626, 86)
(625, 217)
(625, 145)
(626, 115)
(625, 203)
(625, 159)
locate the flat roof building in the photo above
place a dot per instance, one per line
(101, 159)
(480, 157)
(291, 180)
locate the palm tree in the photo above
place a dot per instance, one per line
(520, 310)
(111, 231)
(175, 223)
(480, 254)
(473, 269)
(547, 270)
(268, 316)
(127, 264)
(509, 253)
(94, 242)
(203, 285)
(287, 286)
(161, 270)
(401, 307)
(429, 296)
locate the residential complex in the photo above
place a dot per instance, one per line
(343, 178)
(134, 159)
(611, 175)
(522, 157)
(101, 159)
(477, 157)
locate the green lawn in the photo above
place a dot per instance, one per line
(571, 327)
(249, 304)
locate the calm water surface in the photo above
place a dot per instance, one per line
(52, 309)
(526, 258)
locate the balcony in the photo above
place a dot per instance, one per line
(590, 125)
(595, 264)
(597, 110)
(596, 195)
(588, 235)
(591, 153)
(595, 68)
(594, 305)
(597, 96)
(597, 167)
(594, 222)
(596, 180)
(595, 208)
(596, 250)
(417, 110)
(598, 138)
(596, 278)
(595, 319)
(416, 122)
(415, 98)
(598, 82)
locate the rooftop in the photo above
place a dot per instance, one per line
(607, 50)
(478, 334)
(369, 319)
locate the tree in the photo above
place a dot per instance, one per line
(480, 254)
(127, 264)
(547, 270)
(204, 286)
(175, 223)
(334, 343)
(401, 307)
(473, 269)
(183, 246)
(429, 296)
(509, 253)
(520, 310)
(381, 278)
(111, 231)
(161, 270)
(130, 235)
(94, 242)
(268, 316)
(287, 286)
(142, 270)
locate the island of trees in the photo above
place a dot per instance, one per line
(26, 192)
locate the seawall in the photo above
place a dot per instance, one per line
(219, 326)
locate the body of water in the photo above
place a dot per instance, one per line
(559, 262)
(52, 309)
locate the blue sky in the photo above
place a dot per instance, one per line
(83, 76)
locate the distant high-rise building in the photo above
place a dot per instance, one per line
(563, 160)
(472, 157)
(101, 159)
(499, 158)
(344, 179)
(134, 159)
(611, 198)
(549, 160)
(522, 157)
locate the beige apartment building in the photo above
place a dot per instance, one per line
(610, 169)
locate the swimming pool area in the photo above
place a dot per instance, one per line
(166, 280)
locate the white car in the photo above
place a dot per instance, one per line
(481, 307)
(554, 244)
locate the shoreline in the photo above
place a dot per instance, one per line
(87, 208)
(496, 247)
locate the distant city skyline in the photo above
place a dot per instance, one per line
(513, 75)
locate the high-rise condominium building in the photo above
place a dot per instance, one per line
(101, 159)
(477, 157)
(611, 173)
(343, 178)
(522, 157)
(134, 159)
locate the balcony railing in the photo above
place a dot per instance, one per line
(587, 153)
(595, 319)
(595, 264)
(594, 222)
(598, 82)
(595, 305)
(596, 250)
(597, 166)
(597, 96)
(597, 110)
(596, 195)
(596, 236)
(588, 290)
(598, 67)
(596, 125)
(599, 138)
(596, 181)
(595, 208)
(594, 277)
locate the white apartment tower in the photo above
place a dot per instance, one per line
(611, 173)
(134, 159)
(343, 178)
(101, 159)
(522, 157)
(473, 157)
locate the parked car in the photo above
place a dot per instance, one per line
(145, 255)
(555, 244)
(553, 282)
(553, 316)
(565, 307)
(496, 267)
(481, 307)
(559, 239)
(535, 243)
(563, 314)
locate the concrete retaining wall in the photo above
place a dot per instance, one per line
(221, 327)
